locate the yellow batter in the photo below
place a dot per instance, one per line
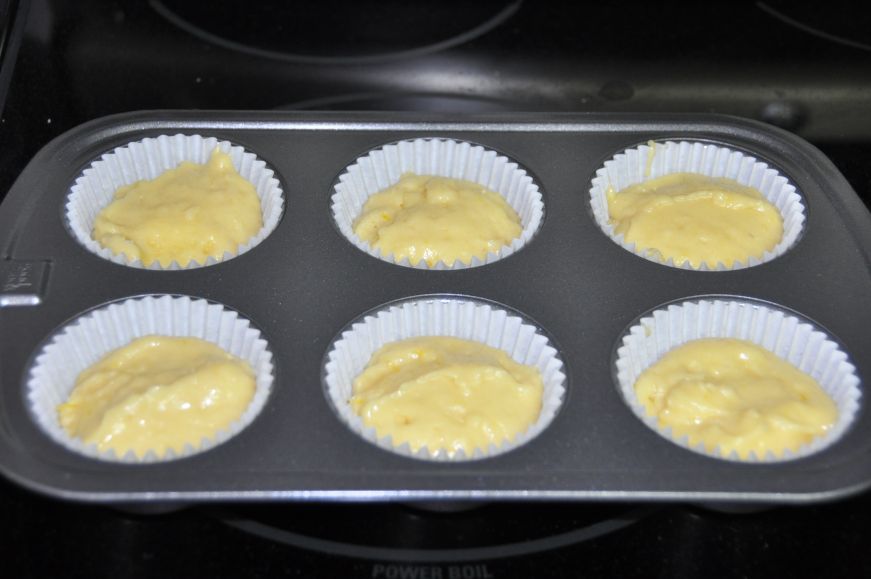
(735, 395)
(157, 393)
(695, 218)
(192, 212)
(447, 393)
(437, 219)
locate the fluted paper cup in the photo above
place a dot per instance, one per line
(149, 158)
(452, 316)
(658, 159)
(381, 168)
(797, 341)
(85, 340)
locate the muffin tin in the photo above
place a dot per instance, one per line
(305, 282)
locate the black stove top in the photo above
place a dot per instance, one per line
(806, 69)
(54, 539)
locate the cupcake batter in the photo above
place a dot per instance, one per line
(437, 219)
(447, 393)
(186, 214)
(735, 395)
(695, 218)
(157, 393)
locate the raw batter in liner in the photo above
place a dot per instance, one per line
(447, 393)
(737, 396)
(186, 214)
(157, 393)
(437, 219)
(693, 218)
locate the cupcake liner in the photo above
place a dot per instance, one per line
(383, 167)
(794, 340)
(649, 162)
(459, 317)
(147, 159)
(88, 338)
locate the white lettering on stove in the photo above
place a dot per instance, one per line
(469, 572)
(392, 571)
(395, 571)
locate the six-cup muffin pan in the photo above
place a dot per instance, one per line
(305, 285)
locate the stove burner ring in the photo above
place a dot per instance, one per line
(799, 23)
(617, 518)
(295, 58)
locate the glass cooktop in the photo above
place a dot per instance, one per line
(803, 68)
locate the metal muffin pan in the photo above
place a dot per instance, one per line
(305, 282)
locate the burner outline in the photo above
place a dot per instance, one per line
(211, 38)
(404, 555)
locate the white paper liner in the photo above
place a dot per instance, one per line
(147, 159)
(797, 341)
(463, 318)
(383, 167)
(635, 166)
(85, 340)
